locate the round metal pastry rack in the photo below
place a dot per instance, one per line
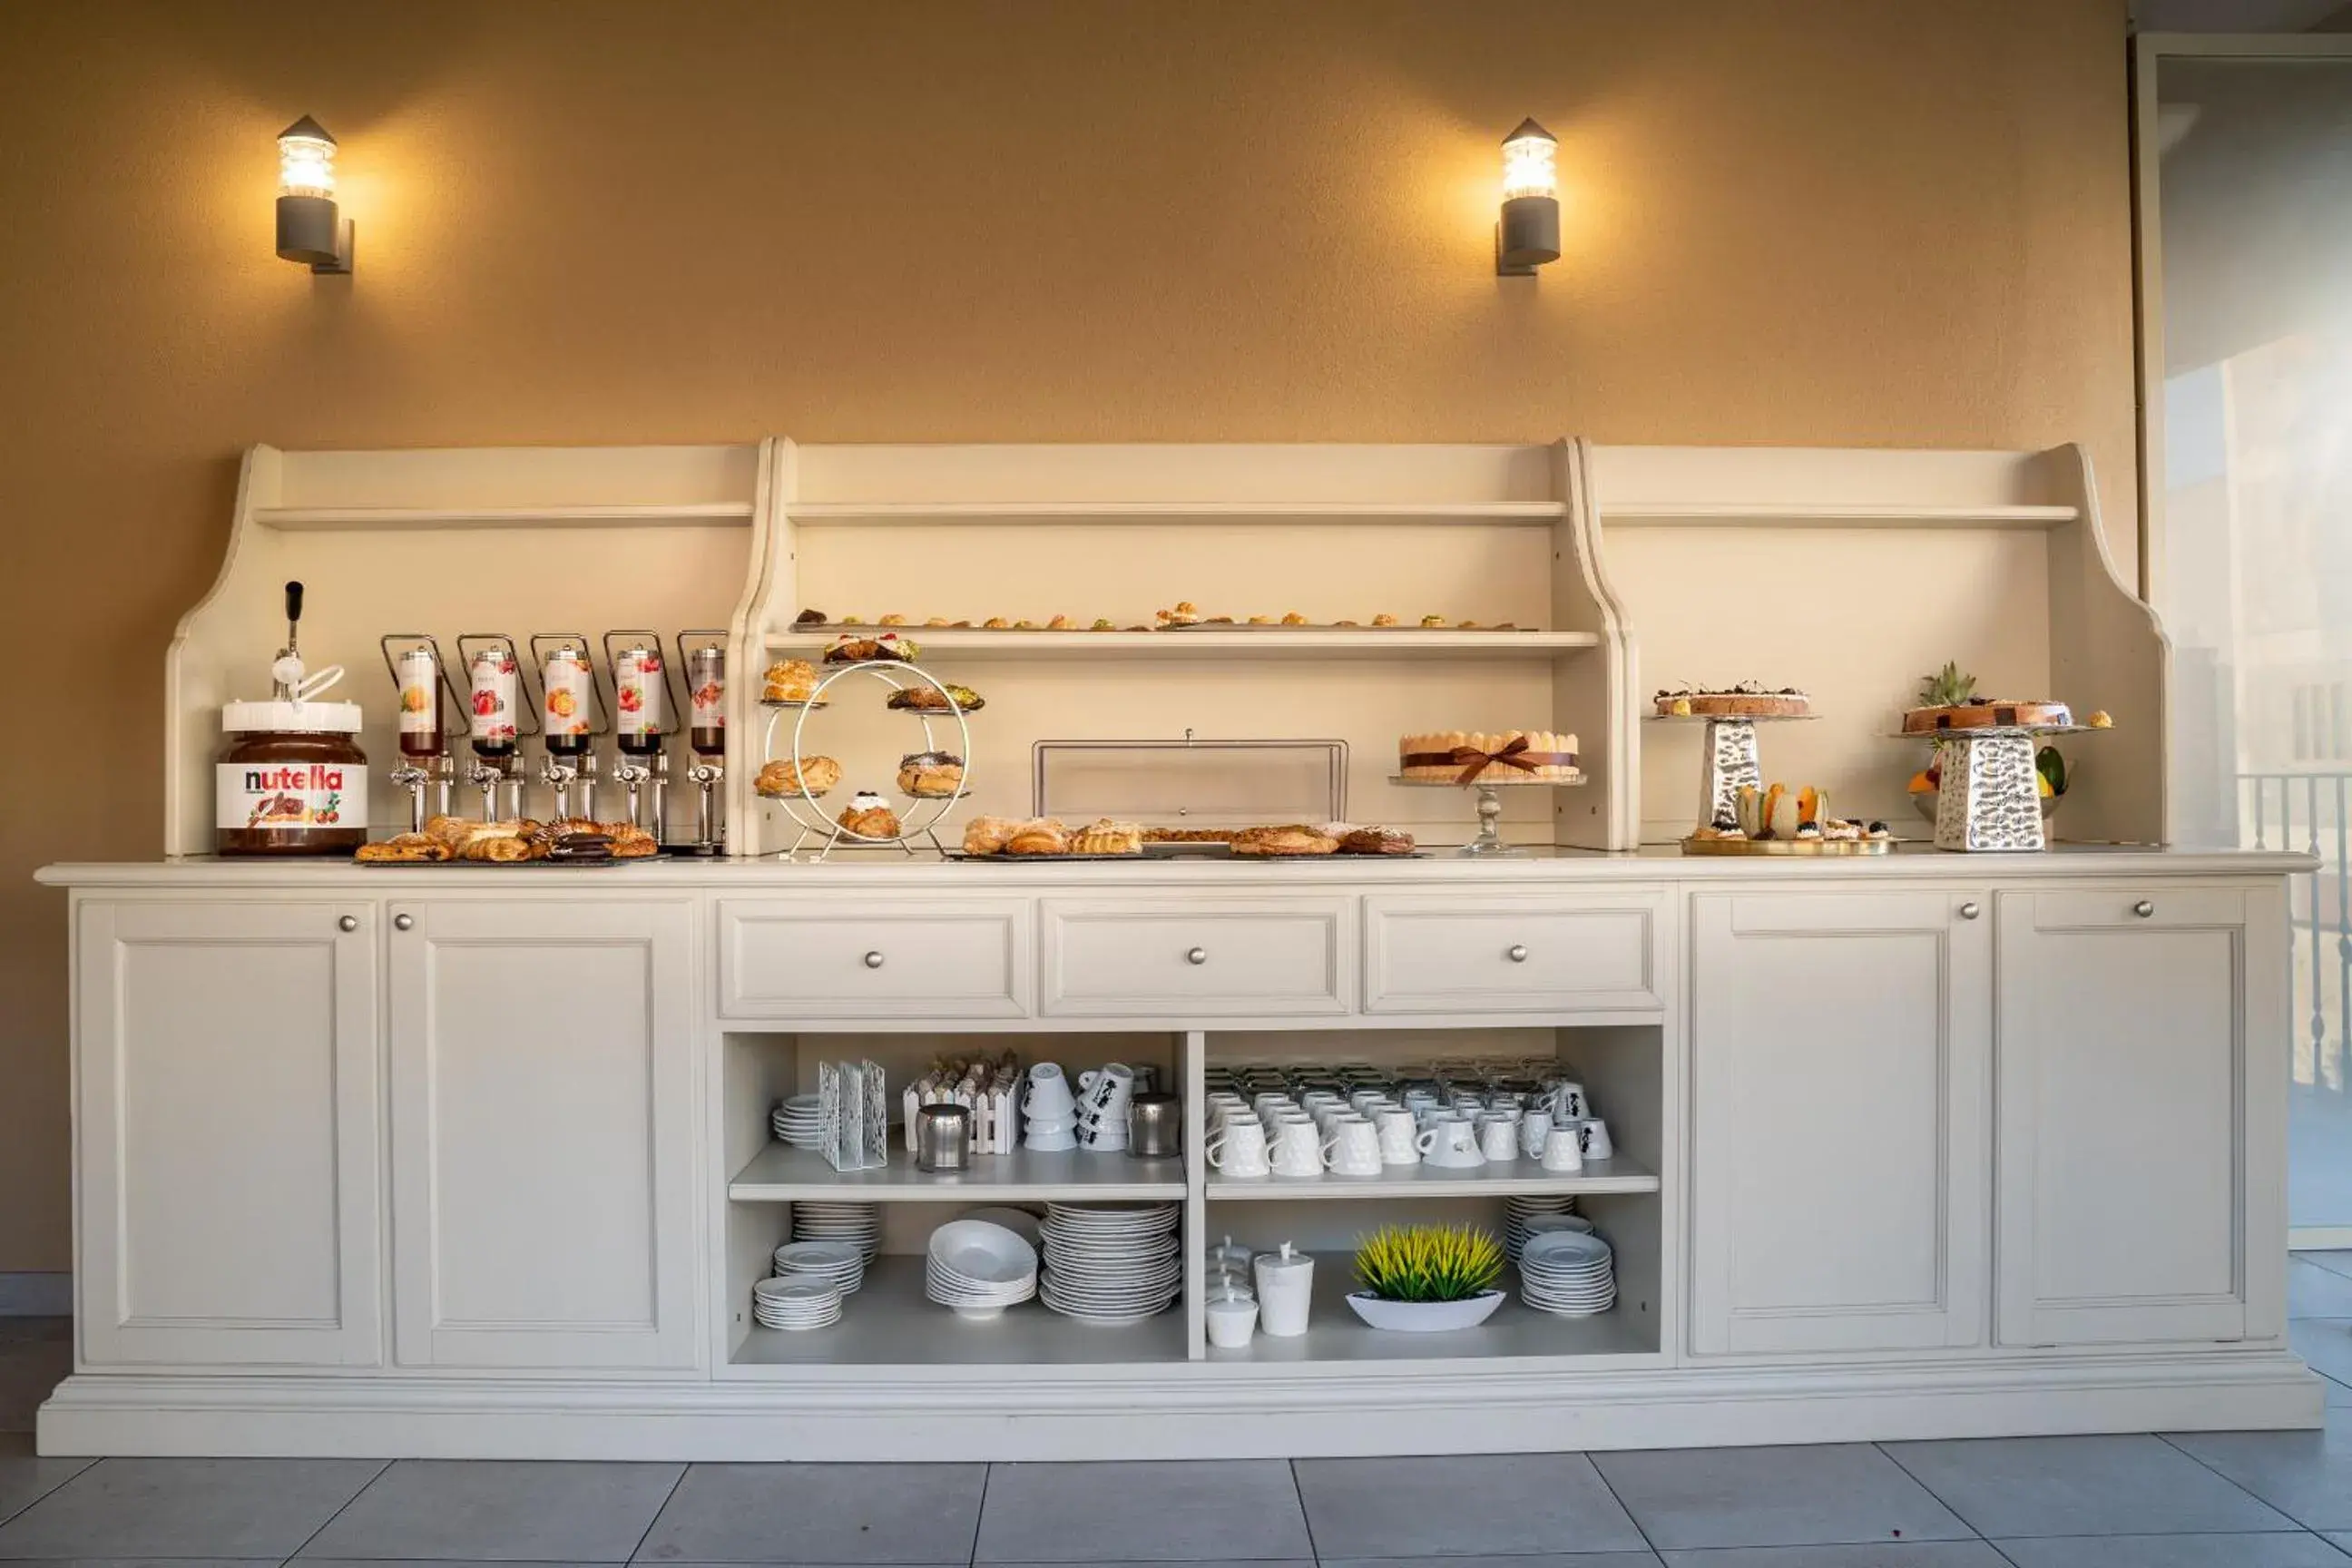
(1489, 844)
(828, 833)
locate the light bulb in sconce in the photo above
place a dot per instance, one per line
(310, 226)
(1528, 233)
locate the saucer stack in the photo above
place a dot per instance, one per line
(978, 1270)
(799, 1121)
(841, 1265)
(1568, 1273)
(796, 1302)
(1517, 1214)
(859, 1225)
(1111, 1263)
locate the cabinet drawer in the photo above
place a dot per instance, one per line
(1223, 959)
(872, 958)
(1533, 954)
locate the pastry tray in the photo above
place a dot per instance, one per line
(1816, 846)
(793, 702)
(1328, 626)
(1728, 717)
(915, 631)
(1975, 730)
(1162, 849)
(543, 865)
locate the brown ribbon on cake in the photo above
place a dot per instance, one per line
(1474, 762)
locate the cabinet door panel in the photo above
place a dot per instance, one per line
(229, 1203)
(541, 1133)
(2123, 1092)
(1839, 1050)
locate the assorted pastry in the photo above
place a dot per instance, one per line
(1047, 836)
(789, 680)
(867, 815)
(938, 699)
(451, 839)
(811, 777)
(1184, 613)
(930, 775)
(886, 647)
(1746, 701)
(1948, 700)
(1761, 816)
(1474, 756)
(1296, 839)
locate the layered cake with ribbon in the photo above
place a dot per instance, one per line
(1467, 757)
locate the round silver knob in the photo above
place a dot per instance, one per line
(873, 961)
(1516, 953)
(1197, 955)
(403, 922)
(349, 923)
(2143, 909)
(1970, 910)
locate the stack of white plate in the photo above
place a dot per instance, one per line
(1111, 1263)
(835, 1263)
(859, 1225)
(799, 1121)
(1520, 1210)
(979, 1268)
(1568, 1273)
(796, 1302)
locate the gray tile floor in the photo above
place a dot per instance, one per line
(2227, 1499)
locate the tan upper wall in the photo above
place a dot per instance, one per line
(1820, 221)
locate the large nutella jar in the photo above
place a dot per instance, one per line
(291, 781)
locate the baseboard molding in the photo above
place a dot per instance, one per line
(35, 1295)
(1185, 1413)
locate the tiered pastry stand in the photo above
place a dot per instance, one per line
(899, 676)
(1989, 797)
(1489, 844)
(1729, 760)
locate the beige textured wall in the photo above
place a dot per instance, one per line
(1824, 221)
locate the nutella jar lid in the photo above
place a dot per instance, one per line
(297, 718)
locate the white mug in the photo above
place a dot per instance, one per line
(1534, 1128)
(1562, 1149)
(1451, 1140)
(1364, 1100)
(1298, 1149)
(1592, 1137)
(1398, 1136)
(1498, 1139)
(1353, 1147)
(1047, 1098)
(1108, 1086)
(1238, 1149)
(1568, 1101)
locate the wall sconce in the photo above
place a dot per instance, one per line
(310, 226)
(1527, 235)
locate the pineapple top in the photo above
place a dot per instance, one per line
(1947, 687)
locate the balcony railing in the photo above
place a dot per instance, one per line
(2311, 812)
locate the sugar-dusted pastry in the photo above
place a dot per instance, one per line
(630, 842)
(499, 847)
(1295, 839)
(866, 816)
(930, 775)
(1105, 836)
(988, 835)
(1470, 756)
(1745, 701)
(1375, 841)
(406, 848)
(1042, 836)
(788, 681)
(449, 832)
(782, 778)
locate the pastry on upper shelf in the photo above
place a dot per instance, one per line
(995, 624)
(1061, 624)
(1432, 623)
(789, 680)
(887, 647)
(988, 835)
(1375, 841)
(1261, 620)
(1384, 619)
(1102, 624)
(1104, 837)
(1948, 701)
(1470, 756)
(405, 849)
(933, 700)
(1745, 701)
(1039, 836)
(894, 619)
(781, 777)
(1188, 834)
(1185, 613)
(809, 618)
(2099, 720)
(1293, 618)
(867, 816)
(938, 622)
(930, 775)
(1294, 838)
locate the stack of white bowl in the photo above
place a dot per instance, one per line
(859, 1225)
(1112, 1263)
(841, 1265)
(979, 1268)
(1568, 1273)
(1520, 1211)
(799, 1121)
(796, 1302)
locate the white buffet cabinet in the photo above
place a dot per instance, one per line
(466, 1162)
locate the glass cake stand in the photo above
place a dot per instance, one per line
(1488, 845)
